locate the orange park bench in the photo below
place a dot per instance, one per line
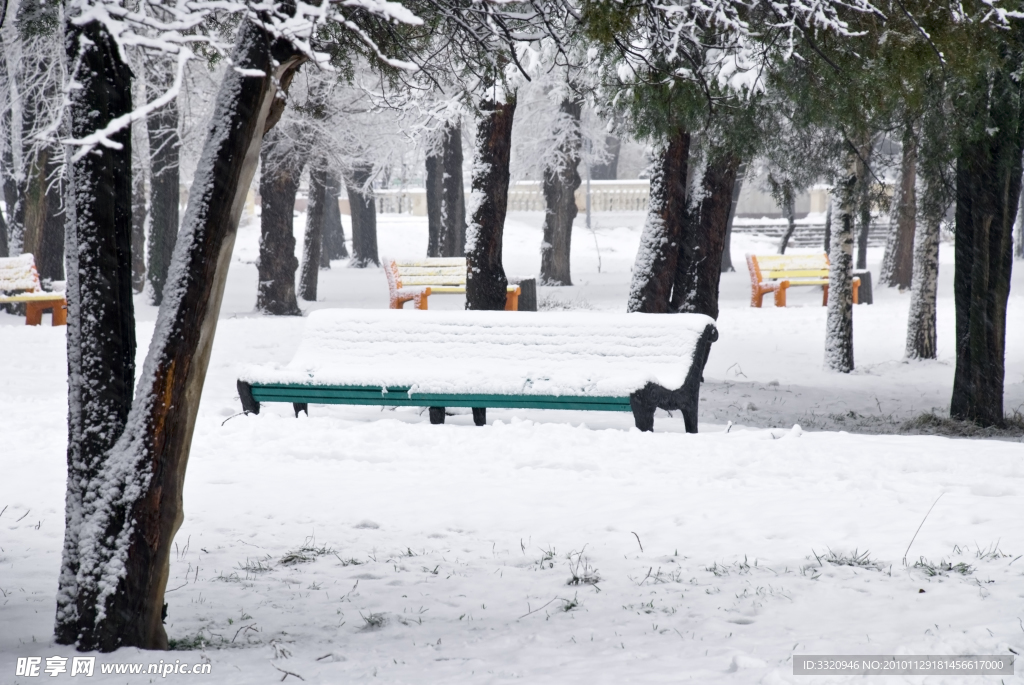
(418, 279)
(19, 282)
(571, 360)
(776, 273)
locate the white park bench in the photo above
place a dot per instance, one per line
(479, 359)
(418, 279)
(19, 282)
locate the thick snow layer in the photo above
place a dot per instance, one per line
(450, 548)
(546, 353)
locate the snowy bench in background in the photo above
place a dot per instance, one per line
(775, 273)
(480, 359)
(418, 279)
(19, 282)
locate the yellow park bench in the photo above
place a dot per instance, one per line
(19, 282)
(417, 279)
(777, 273)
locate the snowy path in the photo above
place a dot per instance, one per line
(459, 531)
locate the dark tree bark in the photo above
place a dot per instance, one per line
(120, 594)
(453, 207)
(279, 182)
(921, 324)
(164, 147)
(898, 263)
(828, 223)
(608, 171)
(101, 320)
(5, 250)
(737, 188)
(333, 242)
(32, 207)
(486, 283)
(138, 222)
(364, 218)
(789, 211)
(435, 194)
(655, 266)
(316, 210)
(988, 184)
(864, 204)
(698, 269)
(50, 256)
(839, 319)
(559, 187)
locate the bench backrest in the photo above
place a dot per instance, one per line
(565, 353)
(432, 271)
(18, 274)
(764, 267)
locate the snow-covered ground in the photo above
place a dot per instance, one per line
(445, 553)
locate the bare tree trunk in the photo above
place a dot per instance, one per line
(698, 272)
(312, 246)
(138, 220)
(559, 187)
(988, 185)
(839, 322)
(101, 326)
(279, 182)
(898, 264)
(334, 232)
(486, 283)
(435, 198)
(921, 339)
(655, 266)
(1018, 250)
(608, 171)
(364, 218)
(164, 146)
(789, 211)
(864, 203)
(4, 249)
(138, 504)
(828, 223)
(737, 188)
(453, 198)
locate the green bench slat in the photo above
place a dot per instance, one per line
(400, 397)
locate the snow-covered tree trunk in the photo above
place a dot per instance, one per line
(1018, 248)
(50, 248)
(988, 185)
(4, 249)
(828, 224)
(737, 188)
(698, 271)
(839, 320)
(898, 263)
(863, 203)
(101, 324)
(559, 186)
(364, 217)
(486, 283)
(921, 339)
(312, 246)
(279, 183)
(164, 146)
(334, 232)
(453, 195)
(134, 502)
(138, 219)
(655, 266)
(789, 211)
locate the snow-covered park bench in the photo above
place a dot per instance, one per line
(19, 282)
(480, 359)
(776, 273)
(418, 279)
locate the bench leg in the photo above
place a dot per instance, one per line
(780, 297)
(856, 293)
(824, 296)
(33, 313)
(643, 413)
(756, 297)
(480, 416)
(60, 315)
(436, 415)
(512, 301)
(300, 406)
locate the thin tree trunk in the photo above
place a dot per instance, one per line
(839, 320)
(898, 264)
(137, 507)
(334, 232)
(164, 146)
(559, 187)
(655, 266)
(453, 206)
(737, 188)
(279, 182)
(50, 259)
(921, 337)
(864, 203)
(101, 329)
(312, 245)
(435, 198)
(486, 283)
(789, 210)
(364, 218)
(828, 224)
(138, 221)
(4, 249)
(1018, 250)
(698, 272)
(32, 205)
(988, 184)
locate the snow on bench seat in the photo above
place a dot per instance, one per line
(479, 359)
